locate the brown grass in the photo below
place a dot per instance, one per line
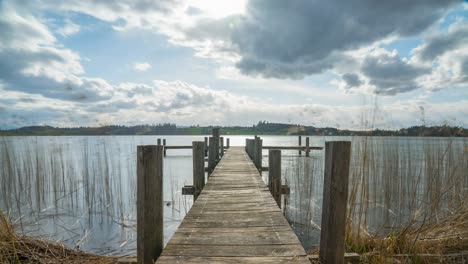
(418, 244)
(16, 248)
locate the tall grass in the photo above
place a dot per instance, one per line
(395, 185)
(80, 190)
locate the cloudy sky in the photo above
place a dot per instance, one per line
(348, 64)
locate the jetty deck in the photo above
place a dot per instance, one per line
(234, 220)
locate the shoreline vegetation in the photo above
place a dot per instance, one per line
(443, 242)
(18, 248)
(262, 128)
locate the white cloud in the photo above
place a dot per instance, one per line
(183, 103)
(447, 54)
(141, 66)
(69, 28)
(32, 61)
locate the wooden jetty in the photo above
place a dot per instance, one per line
(236, 217)
(234, 220)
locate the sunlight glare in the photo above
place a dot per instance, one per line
(219, 9)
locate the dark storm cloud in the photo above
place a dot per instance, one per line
(291, 39)
(391, 75)
(352, 80)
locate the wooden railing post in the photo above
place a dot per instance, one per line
(215, 132)
(164, 144)
(198, 157)
(254, 151)
(335, 195)
(258, 153)
(307, 147)
(159, 142)
(221, 146)
(150, 240)
(249, 143)
(206, 146)
(228, 144)
(274, 174)
(300, 144)
(211, 155)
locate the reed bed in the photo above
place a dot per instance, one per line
(16, 248)
(406, 196)
(81, 191)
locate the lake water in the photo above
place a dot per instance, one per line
(81, 190)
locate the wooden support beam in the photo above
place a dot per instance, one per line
(292, 147)
(274, 174)
(206, 146)
(307, 149)
(228, 143)
(159, 142)
(150, 240)
(300, 144)
(215, 132)
(188, 190)
(164, 144)
(179, 147)
(258, 153)
(198, 153)
(221, 146)
(335, 195)
(211, 155)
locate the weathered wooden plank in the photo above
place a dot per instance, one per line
(236, 230)
(264, 213)
(233, 238)
(232, 260)
(233, 251)
(233, 223)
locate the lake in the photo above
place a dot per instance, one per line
(81, 190)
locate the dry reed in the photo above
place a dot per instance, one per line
(16, 248)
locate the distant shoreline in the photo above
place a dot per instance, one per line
(262, 128)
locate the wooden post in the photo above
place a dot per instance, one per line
(164, 144)
(258, 153)
(215, 132)
(249, 148)
(335, 196)
(300, 144)
(221, 146)
(198, 157)
(228, 144)
(274, 174)
(211, 155)
(254, 151)
(307, 147)
(150, 240)
(206, 146)
(159, 142)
